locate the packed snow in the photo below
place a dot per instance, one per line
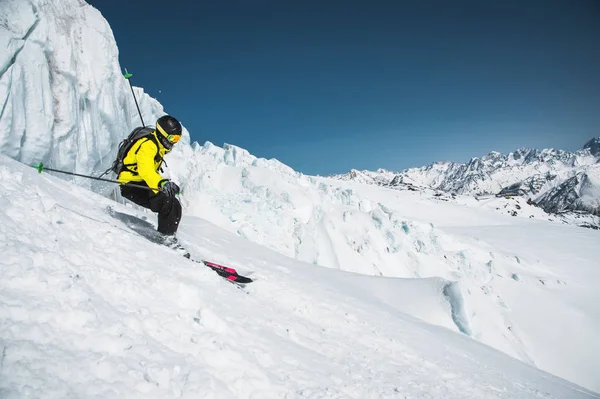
(92, 309)
(361, 291)
(377, 231)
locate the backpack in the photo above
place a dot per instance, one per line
(137, 134)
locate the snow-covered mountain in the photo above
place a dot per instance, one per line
(555, 180)
(593, 146)
(144, 323)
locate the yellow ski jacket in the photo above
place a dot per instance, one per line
(143, 161)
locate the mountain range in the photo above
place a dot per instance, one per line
(558, 181)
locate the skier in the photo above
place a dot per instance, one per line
(141, 165)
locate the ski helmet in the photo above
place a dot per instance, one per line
(169, 129)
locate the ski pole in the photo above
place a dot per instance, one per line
(127, 76)
(41, 168)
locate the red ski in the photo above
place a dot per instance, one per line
(227, 273)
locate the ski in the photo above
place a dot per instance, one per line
(228, 273)
(146, 230)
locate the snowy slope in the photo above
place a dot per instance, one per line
(582, 191)
(65, 103)
(91, 309)
(521, 302)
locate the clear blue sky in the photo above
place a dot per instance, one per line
(326, 86)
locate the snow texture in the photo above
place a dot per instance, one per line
(92, 309)
(361, 291)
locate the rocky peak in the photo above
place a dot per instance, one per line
(594, 146)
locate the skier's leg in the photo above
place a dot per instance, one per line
(169, 213)
(137, 195)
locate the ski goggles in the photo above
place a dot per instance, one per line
(173, 138)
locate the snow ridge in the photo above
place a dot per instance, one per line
(459, 316)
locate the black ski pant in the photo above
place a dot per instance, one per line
(168, 208)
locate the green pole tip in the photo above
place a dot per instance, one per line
(40, 167)
(127, 74)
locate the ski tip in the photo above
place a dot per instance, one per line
(241, 279)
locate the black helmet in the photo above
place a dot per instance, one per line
(168, 125)
(166, 128)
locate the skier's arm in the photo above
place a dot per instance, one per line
(145, 163)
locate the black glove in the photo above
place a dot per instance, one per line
(169, 188)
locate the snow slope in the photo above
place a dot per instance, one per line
(65, 103)
(91, 309)
(525, 303)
